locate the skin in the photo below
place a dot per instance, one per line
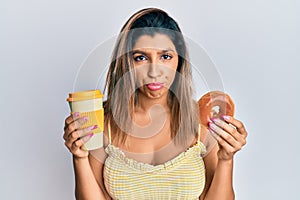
(157, 58)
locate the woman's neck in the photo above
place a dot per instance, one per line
(144, 103)
(150, 117)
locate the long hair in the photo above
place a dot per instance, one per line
(120, 85)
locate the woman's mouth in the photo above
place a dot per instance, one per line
(155, 86)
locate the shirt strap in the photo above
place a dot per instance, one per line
(199, 132)
(109, 133)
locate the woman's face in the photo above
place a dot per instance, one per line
(155, 61)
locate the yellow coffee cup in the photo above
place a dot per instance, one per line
(89, 104)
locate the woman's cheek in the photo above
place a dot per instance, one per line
(139, 77)
(171, 78)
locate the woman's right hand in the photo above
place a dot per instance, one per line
(75, 137)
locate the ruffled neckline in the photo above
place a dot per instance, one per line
(112, 150)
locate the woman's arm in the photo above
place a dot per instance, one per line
(96, 163)
(86, 186)
(218, 183)
(231, 137)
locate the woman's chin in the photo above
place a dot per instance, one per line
(154, 94)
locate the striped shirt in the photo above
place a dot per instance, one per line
(182, 177)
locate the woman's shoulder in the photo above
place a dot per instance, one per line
(203, 132)
(207, 139)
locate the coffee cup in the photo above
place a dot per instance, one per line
(89, 104)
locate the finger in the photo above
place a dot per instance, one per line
(76, 145)
(70, 128)
(79, 143)
(72, 117)
(238, 124)
(80, 133)
(228, 128)
(73, 137)
(224, 135)
(224, 144)
(87, 138)
(85, 131)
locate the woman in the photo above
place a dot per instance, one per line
(154, 147)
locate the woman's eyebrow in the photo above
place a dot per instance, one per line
(168, 50)
(138, 51)
(145, 52)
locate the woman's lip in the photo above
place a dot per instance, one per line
(155, 86)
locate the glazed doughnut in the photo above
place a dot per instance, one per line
(214, 104)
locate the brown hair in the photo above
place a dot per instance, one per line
(120, 105)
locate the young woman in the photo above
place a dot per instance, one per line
(154, 146)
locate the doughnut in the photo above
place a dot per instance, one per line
(214, 104)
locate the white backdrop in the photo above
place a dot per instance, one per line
(254, 45)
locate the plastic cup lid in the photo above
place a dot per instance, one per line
(85, 95)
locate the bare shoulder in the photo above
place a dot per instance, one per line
(203, 133)
(210, 158)
(97, 168)
(96, 159)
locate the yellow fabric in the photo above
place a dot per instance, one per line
(183, 177)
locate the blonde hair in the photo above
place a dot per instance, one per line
(121, 88)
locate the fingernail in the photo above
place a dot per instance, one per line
(93, 127)
(216, 120)
(76, 114)
(213, 118)
(90, 135)
(212, 126)
(85, 118)
(226, 117)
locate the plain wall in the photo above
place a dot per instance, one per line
(254, 44)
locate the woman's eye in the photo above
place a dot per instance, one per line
(139, 58)
(166, 57)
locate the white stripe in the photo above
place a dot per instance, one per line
(86, 105)
(95, 142)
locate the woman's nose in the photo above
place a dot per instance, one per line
(154, 70)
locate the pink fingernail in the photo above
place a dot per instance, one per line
(90, 135)
(93, 127)
(225, 117)
(77, 114)
(85, 118)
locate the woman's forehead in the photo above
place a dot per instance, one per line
(158, 41)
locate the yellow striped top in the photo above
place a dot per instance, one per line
(182, 177)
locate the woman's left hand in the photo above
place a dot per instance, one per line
(230, 134)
